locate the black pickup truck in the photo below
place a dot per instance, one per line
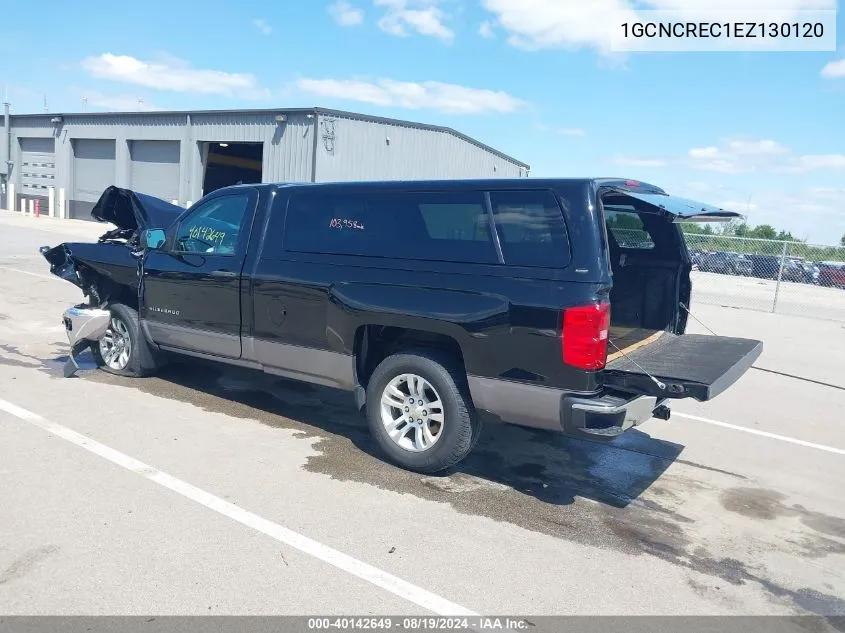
(557, 304)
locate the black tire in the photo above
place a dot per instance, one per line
(461, 425)
(135, 367)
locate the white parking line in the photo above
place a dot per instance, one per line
(26, 272)
(774, 436)
(344, 562)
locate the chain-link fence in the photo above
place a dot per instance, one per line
(771, 275)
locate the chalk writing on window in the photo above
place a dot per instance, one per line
(206, 234)
(344, 223)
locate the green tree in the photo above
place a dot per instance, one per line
(729, 229)
(764, 232)
(842, 240)
(696, 229)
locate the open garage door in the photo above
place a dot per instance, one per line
(231, 164)
(154, 168)
(93, 171)
(38, 169)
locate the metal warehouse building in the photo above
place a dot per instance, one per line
(183, 155)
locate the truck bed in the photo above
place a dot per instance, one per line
(690, 365)
(627, 339)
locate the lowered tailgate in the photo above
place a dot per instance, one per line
(689, 365)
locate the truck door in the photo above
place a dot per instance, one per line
(190, 292)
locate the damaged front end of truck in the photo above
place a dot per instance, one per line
(107, 271)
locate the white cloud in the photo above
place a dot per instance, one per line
(630, 161)
(826, 193)
(741, 156)
(571, 131)
(578, 24)
(698, 188)
(345, 14)
(423, 16)
(834, 69)
(262, 26)
(485, 30)
(756, 147)
(733, 148)
(172, 75)
(704, 152)
(567, 24)
(737, 206)
(812, 162)
(434, 95)
(737, 156)
(116, 102)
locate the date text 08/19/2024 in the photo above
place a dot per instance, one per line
(412, 623)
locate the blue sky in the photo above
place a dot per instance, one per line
(758, 132)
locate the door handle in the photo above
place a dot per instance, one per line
(223, 273)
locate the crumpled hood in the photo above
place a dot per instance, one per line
(131, 210)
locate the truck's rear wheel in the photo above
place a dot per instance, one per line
(119, 350)
(419, 411)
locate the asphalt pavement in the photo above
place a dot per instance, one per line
(207, 490)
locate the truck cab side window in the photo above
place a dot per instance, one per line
(214, 227)
(532, 229)
(445, 226)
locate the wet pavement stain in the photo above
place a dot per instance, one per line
(754, 503)
(580, 491)
(817, 546)
(759, 503)
(20, 359)
(12, 362)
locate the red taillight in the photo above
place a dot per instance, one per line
(585, 331)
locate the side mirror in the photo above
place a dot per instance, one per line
(153, 238)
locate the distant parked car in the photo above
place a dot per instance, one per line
(725, 263)
(741, 265)
(793, 270)
(832, 274)
(764, 266)
(802, 270)
(696, 255)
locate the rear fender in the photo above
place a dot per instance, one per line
(466, 317)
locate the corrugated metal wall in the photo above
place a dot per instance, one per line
(154, 168)
(356, 149)
(37, 167)
(94, 168)
(287, 154)
(347, 148)
(288, 145)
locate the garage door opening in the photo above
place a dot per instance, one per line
(231, 164)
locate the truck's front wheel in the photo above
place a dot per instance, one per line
(419, 411)
(119, 351)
